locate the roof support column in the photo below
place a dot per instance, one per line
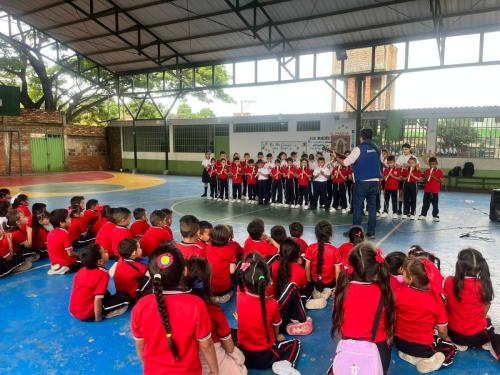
(360, 90)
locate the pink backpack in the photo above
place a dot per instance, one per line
(359, 357)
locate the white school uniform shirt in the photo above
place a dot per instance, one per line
(283, 163)
(318, 177)
(403, 159)
(205, 163)
(313, 165)
(296, 163)
(264, 170)
(269, 164)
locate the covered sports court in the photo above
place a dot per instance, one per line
(128, 42)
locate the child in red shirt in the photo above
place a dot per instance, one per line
(104, 215)
(296, 230)
(90, 299)
(259, 320)
(419, 311)
(276, 184)
(131, 276)
(222, 176)
(237, 172)
(212, 173)
(229, 358)
(59, 247)
(21, 235)
(75, 228)
(468, 298)
(251, 175)
(222, 259)
(396, 261)
(392, 177)
(10, 262)
(258, 241)
(140, 225)
(339, 176)
(121, 217)
(322, 265)
(290, 290)
(360, 291)
(90, 215)
(158, 233)
(205, 234)
(171, 327)
(356, 235)
(432, 177)
(410, 176)
(21, 203)
(303, 180)
(39, 234)
(190, 231)
(289, 173)
(103, 237)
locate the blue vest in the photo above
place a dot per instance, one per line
(367, 166)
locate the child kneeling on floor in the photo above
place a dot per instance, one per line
(230, 359)
(259, 320)
(90, 299)
(419, 310)
(469, 295)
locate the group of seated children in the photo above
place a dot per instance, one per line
(311, 182)
(177, 289)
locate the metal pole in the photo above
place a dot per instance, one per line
(10, 154)
(359, 106)
(135, 145)
(19, 153)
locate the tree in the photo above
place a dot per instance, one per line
(45, 84)
(454, 136)
(184, 111)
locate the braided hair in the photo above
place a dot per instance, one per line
(323, 232)
(167, 266)
(290, 252)
(255, 278)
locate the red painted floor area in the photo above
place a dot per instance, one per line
(53, 178)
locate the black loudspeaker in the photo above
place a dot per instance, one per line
(495, 205)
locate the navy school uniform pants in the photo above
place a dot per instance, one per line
(391, 196)
(290, 194)
(303, 195)
(430, 198)
(319, 193)
(252, 191)
(223, 189)
(287, 350)
(245, 185)
(479, 339)
(276, 191)
(112, 302)
(427, 351)
(236, 191)
(339, 195)
(262, 191)
(213, 186)
(291, 306)
(410, 190)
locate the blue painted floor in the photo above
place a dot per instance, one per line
(40, 337)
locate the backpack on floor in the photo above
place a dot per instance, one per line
(468, 169)
(359, 357)
(454, 172)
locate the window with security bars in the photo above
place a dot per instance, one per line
(193, 138)
(148, 138)
(412, 131)
(308, 126)
(221, 130)
(261, 127)
(468, 137)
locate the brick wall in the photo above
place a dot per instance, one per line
(85, 146)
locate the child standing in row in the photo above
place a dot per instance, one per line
(237, 173)
(251, 176)
(303, 182)
(276, 185)
(392, 177)
(410, 176)
(432, 177)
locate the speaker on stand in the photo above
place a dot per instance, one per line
(495, 205)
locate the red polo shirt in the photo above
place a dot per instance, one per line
(40, 238)
(153, 238)
(392, 183)
(4, 246)
(415, 173)
(119, 233)
(432, 186)
(417, 313)
(190, 323)
(360, 307)
(99, 224)
(342, 172)
(18, 236)
(223, 173)
(127, 275)
(345, 250)
(88, 285)
(139, 227)
(220, 259)
(103, 237)
(251, 331)
(467, 316)
(289, 172)
(251, 177)
(58, 244)
(75, 228)
(297, 274)
(190, 250)
(304, 176)
(237, 172)
(331, 257)
(89, 218)
(302, 244)
(266, 249)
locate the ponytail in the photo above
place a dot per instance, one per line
(261, 287)
(324, 232)
(290, 252)
(162, 309)
(319, 269)
(338, 302)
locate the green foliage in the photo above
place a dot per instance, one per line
(454, 134)
(184, 111)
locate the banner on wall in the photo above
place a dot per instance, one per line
(340, 139)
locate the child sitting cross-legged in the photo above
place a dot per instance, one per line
(90, 299)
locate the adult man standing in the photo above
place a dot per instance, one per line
(365, 161)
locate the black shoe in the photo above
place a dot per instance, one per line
(204, 195)
(371, 235)
(312, 209)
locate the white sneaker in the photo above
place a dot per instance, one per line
(238, 200)
(326, 293)
(461, 348)
(365, 213)
(404, 217)
(117, 312)
(296, 206)
(284, 368)
(383, 214)
(286, 205)
(378, 214)
(431, 364)
(412, 217)
(421, 217)
(217, 199)
(316, 304)
(273, 204)
(305, 206)
(332, 209)
(409, 358)
(26, 265)
(209, 198)
(436, 219)
(57, 269)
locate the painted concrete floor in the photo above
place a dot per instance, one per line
(40, 337)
